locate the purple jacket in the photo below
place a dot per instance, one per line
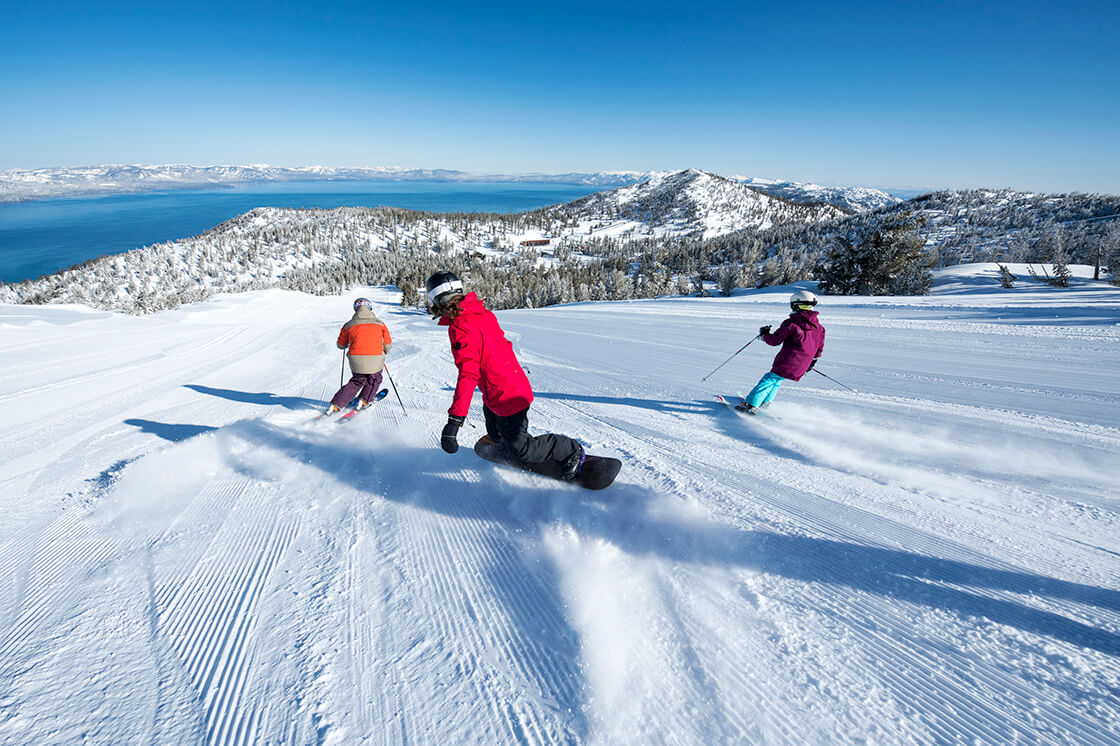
(802, 339)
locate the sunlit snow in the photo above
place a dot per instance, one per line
(187, 555)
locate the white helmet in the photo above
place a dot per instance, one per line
(802, 300)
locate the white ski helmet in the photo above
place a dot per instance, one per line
(802, 300)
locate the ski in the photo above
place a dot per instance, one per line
(732, 405)
(376, 398)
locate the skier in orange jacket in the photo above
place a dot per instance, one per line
(367, 341)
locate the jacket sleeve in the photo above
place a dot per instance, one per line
(820, 349)
(343, 338)
(386, 338)
(784, 331)
(466, 348)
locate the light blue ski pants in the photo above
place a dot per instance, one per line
(765, 390)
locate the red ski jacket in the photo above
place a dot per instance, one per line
(486, 361)
(802, 339)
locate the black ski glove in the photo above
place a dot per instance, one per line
(764, 330)
(812, 364)
(447, 440)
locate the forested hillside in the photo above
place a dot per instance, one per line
(675, 233)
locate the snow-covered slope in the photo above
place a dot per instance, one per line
(850, 199)
(186, 556)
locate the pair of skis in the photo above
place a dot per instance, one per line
(353, 412)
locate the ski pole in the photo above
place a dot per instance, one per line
(342, 370)
(728, 360)
(849, 388)
(398, 393)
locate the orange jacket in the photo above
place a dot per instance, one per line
(366, 340)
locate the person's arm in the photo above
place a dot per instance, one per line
(781, 335)
(467, 351)
(466, 348)
(343, 338)
(386, 339)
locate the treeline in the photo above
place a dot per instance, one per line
(890, 250)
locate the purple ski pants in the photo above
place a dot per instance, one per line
(362, 385)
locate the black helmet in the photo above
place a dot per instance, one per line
(441, 285)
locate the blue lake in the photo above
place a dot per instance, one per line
(38, 238)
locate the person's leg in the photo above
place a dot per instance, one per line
(764, 390)
(491, 424)
(771, 392)
(550, 454)
(371, 382)
(346, 394)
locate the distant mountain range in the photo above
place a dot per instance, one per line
(666, 234)
(49, 183)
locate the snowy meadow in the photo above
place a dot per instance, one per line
(187, 555)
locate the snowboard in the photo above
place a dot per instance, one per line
(376, 398)
(598, 472)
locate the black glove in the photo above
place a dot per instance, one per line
(764, 330)
(812, 364)
(447, 439)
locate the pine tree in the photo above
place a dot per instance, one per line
(885, 258)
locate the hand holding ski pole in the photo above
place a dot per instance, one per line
(728, 360)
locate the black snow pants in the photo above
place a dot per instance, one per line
(552, 455)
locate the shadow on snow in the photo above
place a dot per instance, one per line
(168, 431)
(264, 398)
(619, 516)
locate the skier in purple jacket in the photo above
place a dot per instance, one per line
(802, 339)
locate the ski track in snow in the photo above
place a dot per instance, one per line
(190, 556)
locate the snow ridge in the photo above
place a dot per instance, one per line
(701, 204)
(849, 199)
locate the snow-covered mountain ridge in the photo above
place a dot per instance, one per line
(302, 249)
(850, 199)
(19, 185)
(641, 240)
(693, 202)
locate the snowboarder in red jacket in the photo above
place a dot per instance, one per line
(802, 339)
(486, 361)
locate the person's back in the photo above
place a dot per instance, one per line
(486, 361)
(481, 350)
(366, 339)
(802, 339)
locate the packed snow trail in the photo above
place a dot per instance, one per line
(189, 556)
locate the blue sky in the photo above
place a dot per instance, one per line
(903, 94)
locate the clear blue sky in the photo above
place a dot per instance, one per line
(889, 94)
